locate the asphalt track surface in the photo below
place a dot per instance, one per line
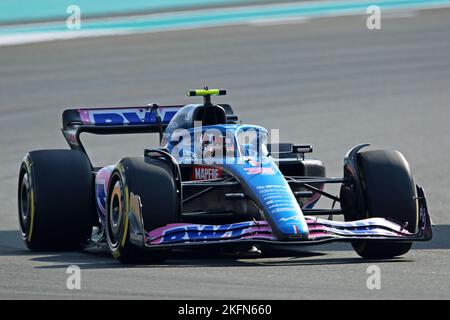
(329, 82)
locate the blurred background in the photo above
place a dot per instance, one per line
(313, 69)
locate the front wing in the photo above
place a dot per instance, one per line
(259, 232)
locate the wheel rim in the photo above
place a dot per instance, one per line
(115, 213)
(24, 203)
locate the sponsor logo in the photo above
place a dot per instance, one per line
(259, 170)
(125, 116)
(292, 218)
(288, 209)
(199, 233)
(205, 173)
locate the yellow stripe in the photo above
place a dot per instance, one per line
(203, 92)
(125, 227)
(31, 215)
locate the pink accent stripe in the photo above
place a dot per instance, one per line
(316, 196)
(84, 116)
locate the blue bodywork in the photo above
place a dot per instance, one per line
(256, 171)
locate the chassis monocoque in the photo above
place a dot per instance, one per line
(212, 183)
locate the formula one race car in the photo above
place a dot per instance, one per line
(213, 183)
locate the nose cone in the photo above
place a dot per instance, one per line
(270, 191)
(289, 224)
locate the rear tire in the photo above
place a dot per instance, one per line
(55, 200)
(153, 182)
(389, 192)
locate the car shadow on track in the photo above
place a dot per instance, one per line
(195, 260)
(11, 245)
(101, 259)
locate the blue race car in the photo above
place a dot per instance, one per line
(212, 183)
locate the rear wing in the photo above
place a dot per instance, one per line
(121, 120)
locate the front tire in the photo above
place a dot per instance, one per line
(154, 184)
(389, 192)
